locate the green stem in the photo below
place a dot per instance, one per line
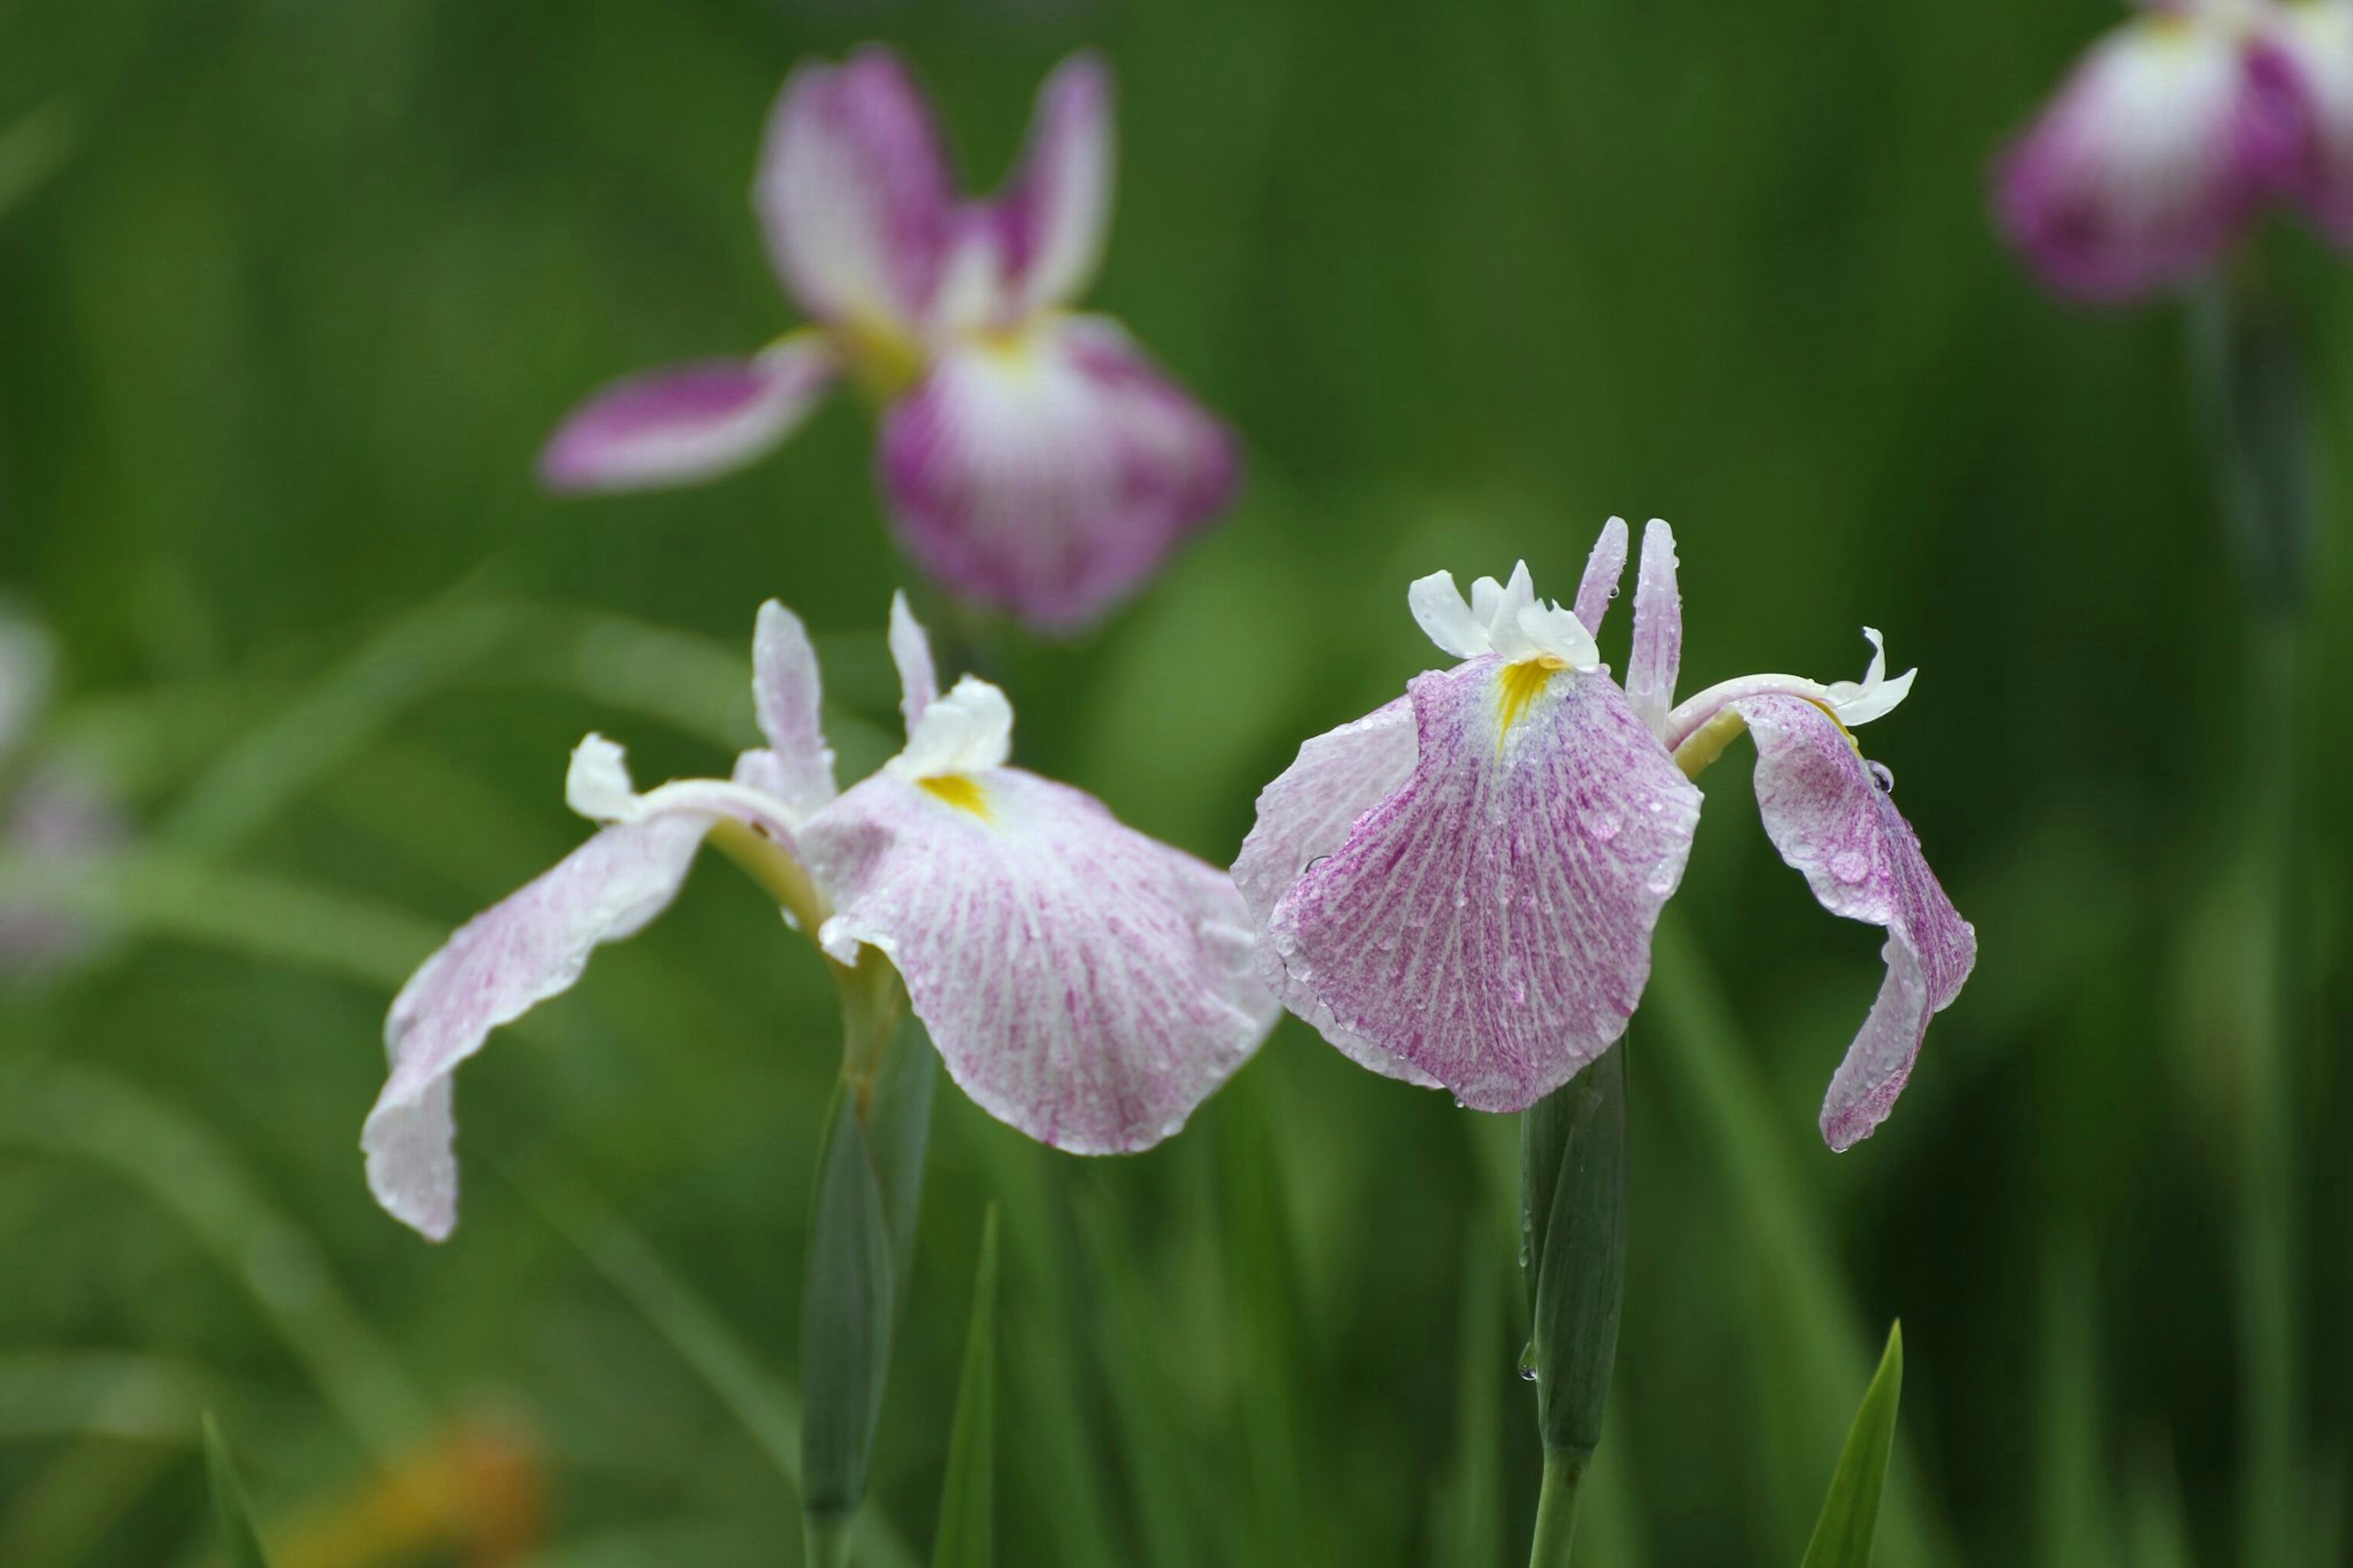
(825, 1540)
(1564, 1474)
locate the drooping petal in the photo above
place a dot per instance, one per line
(910, 650)
(1602, 570)
(854, 195)
(499, 965)
(1049, 474)
(1658, 652)
(689, 422)
(1833, 820)
(1057, 207)
(2309, 52)
(789, 694)
(1490, 921)
(2147, 163)
(1303, 816)
(1084, 983)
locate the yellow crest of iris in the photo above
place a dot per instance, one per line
(1519, 685)
(959, 790)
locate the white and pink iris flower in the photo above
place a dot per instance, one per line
(2174, 133)
(58, 817)
(1084, 983)
(1034, 458)
(1459, 888)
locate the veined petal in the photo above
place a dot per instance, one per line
(910, 651)
(1490, 921)
(689, 422)
(1602, 570)
(1050, 472)
(854, 194)
(499, 966)
(1833, 820)
(1084, 983)
(1658, 652)
(789, 694)
(1057, 207)
(1303, 816)
(2148, 161)
(2309, 49)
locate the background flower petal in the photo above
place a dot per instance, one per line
(854, 194)
(1084, 984)
(1056, 209)
(1489, 921)
(688, 422)
(1051, 474)
(1833, 819)
(1306, 814)
(500, 964)
(2153, 153)
(2312, 48)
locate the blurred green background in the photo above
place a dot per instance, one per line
(292, 292)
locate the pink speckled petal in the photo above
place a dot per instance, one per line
(910, 651)
(853, 193)
(1832, 819)
(1084, 983)
(2309, 47)
(2151, 158)
(1489, 921)
(1052, 475)
(1658, 652)
(789, 695)
(1602, 570)
(688, 423)
(1057, 207)
(1306, 814)
(499, 965)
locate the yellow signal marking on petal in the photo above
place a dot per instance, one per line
(959, 790)
(1516, 686)
(884, 360)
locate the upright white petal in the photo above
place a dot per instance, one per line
(1439, 609)
(910, 650)
(969, 731)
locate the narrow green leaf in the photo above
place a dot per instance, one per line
(845, 1321)
(239, 1544)
(1269, 1357)
(1474, 1498)
(1573, 1187)
(1851, 1512)
(967, 1532)
(899, 1131)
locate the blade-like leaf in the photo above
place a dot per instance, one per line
(240, 1546)
(845, 1321)
(967, 1533)
(1572, 1185)
(1851, 1512)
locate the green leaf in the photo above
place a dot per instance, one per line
(845, 1319)
(967, 1532)
(1851, 1512)
(1573, 1218)
(239, 1544)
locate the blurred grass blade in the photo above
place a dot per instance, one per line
(967, 1530)
(49, 1393)
(1286, 1529)
(240, 1545)
(1851, 1512)
(845, 1332)
(1473, 1519)
(36, 147)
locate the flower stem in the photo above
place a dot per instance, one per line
(825, 1539)
(1564, 1474)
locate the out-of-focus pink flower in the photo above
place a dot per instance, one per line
(1082, 983)
(1035, 460)
(2174, 133)
(57, 816)
(1461, 887)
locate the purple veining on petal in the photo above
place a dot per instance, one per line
(789, 695)
(1831, 820)
(1658, 652)
(1603, 568)
(1056, 208)
(688, 422)
(1084, 984)
(853, 192)
(499, 965)
(2150, 160)
(2304, 64)
(1303, 816)
(1489, 921)
(1050, 475)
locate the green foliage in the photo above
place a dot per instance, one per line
(966, 1537)
(1573, 1245)
(1850, 1516)
(240, 1543)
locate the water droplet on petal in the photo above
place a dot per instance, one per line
(1848, 865)
(1886, 780)
(1604, 827)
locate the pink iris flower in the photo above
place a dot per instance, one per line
(1034, 458)
(1459, 888)
(1082, 983)
(2174, 133)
